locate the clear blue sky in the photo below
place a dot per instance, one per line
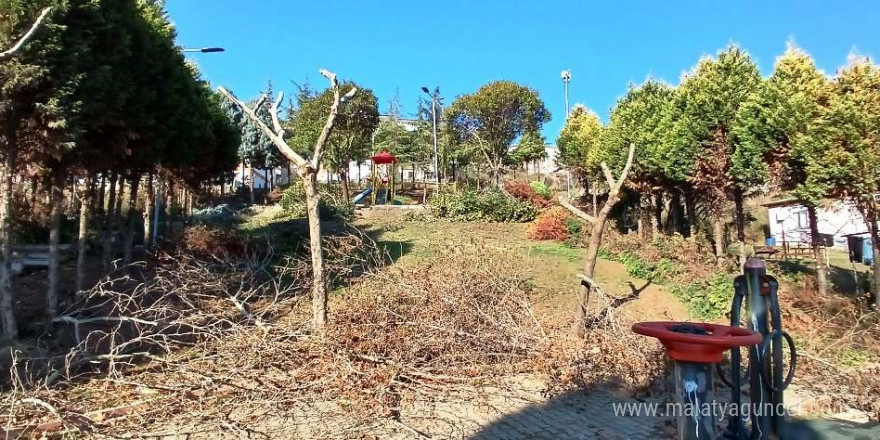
(458, 45)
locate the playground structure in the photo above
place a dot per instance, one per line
(381, 187)
(695, 347)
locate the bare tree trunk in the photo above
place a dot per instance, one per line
(57, 198)
(85, 207)
(346, 191)
(109, 220)
(689, 206)
(149, 199)
(657, 214)
(821, 274)
(875, 241)
(319, 289)
(100, 199)
(129, 231)
(7, 312)
(674, 219)
(718, 228)
(251, 175)
(34, 191)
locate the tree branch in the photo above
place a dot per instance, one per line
(321, 143)
(277, 138)
(576, 211)
(628, 166)
(27, 36)
(615, 185)
(274, 112)
(609, 176)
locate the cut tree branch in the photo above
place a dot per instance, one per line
(331, 118)
(575, 210)
(277, 138)
(26, 37)
(274, 113)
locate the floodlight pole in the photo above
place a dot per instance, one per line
(566, 78)
(434, 117)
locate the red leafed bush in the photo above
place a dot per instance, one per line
(523, 192)
(550, 225)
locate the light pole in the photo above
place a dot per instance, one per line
(204, 50)
(566, 78)
(434, 98)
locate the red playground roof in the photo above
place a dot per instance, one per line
(384, 157)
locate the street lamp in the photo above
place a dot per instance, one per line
(434, 98)
(205, 50)
(566, 78)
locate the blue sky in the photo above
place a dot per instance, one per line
(396, 46)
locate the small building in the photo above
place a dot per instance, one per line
(837, 220)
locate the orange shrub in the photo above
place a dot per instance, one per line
(550, 225)
(523, 192)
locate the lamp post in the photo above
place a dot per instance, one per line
(204, 50)
(566, 78)
(434, 98)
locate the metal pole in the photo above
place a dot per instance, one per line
(693, 381)
(761, 397)
(567, 109)
(436, 157)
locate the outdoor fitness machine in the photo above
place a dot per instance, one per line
(696, 346)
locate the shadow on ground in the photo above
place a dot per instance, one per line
(597, 413)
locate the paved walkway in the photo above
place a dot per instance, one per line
(518, 410)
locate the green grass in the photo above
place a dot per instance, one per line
(554, 249)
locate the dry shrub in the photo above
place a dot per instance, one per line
(551, 224)
(523, 192)
(464, 315)
(206, 241)
(615, 357)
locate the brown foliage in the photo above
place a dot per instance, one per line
(205, 241)
(523, 192)
(551, 224)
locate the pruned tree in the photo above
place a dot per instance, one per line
(615, 186)
(307, 170)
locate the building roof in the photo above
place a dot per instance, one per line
(782, 202)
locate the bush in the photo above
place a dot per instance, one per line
(541, 189)
(707, 298)
(525, 193)
(490, 206)
(551, 224)
(330, 207)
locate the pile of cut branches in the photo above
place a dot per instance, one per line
(462, 319)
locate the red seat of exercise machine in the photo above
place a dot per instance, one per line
(701, 348)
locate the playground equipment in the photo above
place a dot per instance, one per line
(382, 181)
(696, 346)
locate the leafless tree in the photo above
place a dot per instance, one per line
(614, 187)
(308, 173)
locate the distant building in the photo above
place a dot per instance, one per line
(837, 220)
